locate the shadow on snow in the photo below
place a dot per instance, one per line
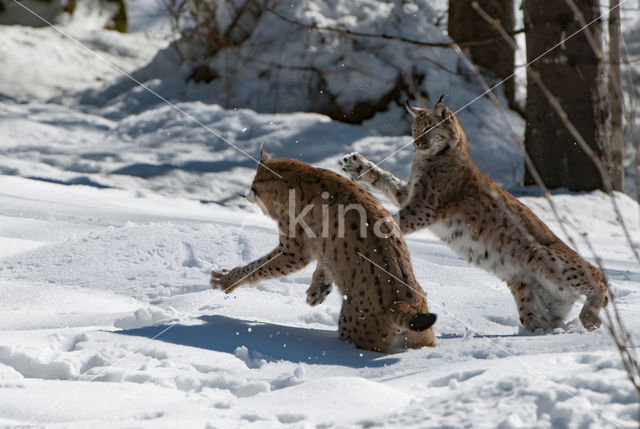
(267, 341)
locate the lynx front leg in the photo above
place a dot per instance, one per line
(320, 286)
(277, 263)
(362, 170)
(414, 216)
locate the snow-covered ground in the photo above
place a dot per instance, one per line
(106, 316)
(107, 320)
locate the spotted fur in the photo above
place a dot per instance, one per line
(485, 224)
(384, 308)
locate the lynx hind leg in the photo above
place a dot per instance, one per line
(534, 313)
(372, 332)
(359, 168)
(558, 307)
(589, 317)
(320, 286)
(595, 290)
(571, 277)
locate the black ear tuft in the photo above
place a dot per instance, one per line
(422, 321)
(412, 110)
(264, 156)
(441, 111)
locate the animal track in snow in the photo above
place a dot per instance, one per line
(459, 377)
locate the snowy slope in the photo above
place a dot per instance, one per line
(107, 321)
(39, 63)
(122, 135)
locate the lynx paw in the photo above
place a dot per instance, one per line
(223, 280)
(318, 294)
(589, 319)
(358, 167)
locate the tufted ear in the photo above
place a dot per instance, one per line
(264, 156)
(441, 110)
(414, 111)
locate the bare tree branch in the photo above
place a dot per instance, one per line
(382, 36)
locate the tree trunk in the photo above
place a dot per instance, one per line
(485, 45)
(573, 73)
(119, 20)
(615, 148)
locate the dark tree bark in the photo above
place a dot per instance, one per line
(485, 45)
(119, 20)
(615, 147)
(573, 73)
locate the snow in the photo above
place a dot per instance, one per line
(70, 57)
(110, 302)
(114, 208)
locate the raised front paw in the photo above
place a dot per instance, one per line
(225, 280)
(359, 168)
(316, 295)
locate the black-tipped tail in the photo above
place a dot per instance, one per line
(422, 321)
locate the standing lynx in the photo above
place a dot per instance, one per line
(485, 224)
(359, 248)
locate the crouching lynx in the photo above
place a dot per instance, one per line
(384, 307)
(484, 223)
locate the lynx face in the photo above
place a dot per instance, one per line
(254, 199)
(434, 130)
